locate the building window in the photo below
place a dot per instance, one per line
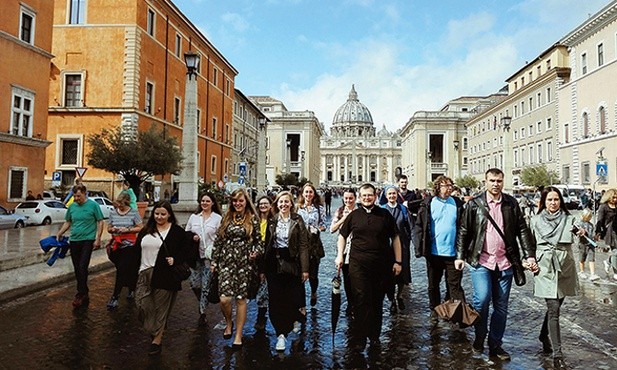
(26, 28)
(548, 95)
(227, 87)
(539, 124)
(548, 64)
(515, 85)
(214, 128)
(177, 111)
(584, 63)
(522, 107)
(600, 55)
(539, 100)
(539, 71)
(566, 174)
(69, 152)
(530, 154)
(213, 164)
(549, 151)
(602, 114)
(522, 81)
(515, 158)
(530, 76)
(77, 11)
(530, 103)
(178, 45)
(73, 90)
(522, 156)
(539, 153)
(150, 25)
(530, 130)
(215, 76)
(548, 123)
(566, 133)
(199, 121)
(22, 112)
(149, 97)
(515, 135)
(227, 133)
(585, 125)
(522, 132)
(585, 172)
(17, 183)
(465, 143)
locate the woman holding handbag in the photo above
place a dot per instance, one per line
(286, 266)
(123, 225)
(204, 224)
(237, 245)
(313, 213)
(163, 245)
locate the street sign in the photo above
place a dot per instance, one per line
(241, 180)
(56, 178)
(80, 171)
(602, 169)
(242, 168)
(221, 184)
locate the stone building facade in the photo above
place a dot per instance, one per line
(354, 152)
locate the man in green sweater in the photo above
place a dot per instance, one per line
(85, 220)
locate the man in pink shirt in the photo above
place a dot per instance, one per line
(491, 250)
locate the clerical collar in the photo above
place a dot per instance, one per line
(368, 210)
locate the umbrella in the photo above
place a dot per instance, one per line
(336, 302)
(457, 312)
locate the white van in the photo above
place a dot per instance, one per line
(571, 195)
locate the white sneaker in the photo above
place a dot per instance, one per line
(281, 343)
(607, 266)
(582, 275)
(297, 327)
(594, 277)
(615, 276)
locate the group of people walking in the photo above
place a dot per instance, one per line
(268, 253)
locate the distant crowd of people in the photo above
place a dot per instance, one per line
(268, 249)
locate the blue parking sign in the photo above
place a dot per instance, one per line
(57, 176)
(241, 180)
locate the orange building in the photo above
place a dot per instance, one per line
(121, 63)
(25, 41)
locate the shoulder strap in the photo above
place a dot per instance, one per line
(164, 245)
(488, 216)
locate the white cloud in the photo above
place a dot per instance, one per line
(460, 31)
(236, 21)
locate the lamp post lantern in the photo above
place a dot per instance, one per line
(188, 181)
(288, 157)
(261, 156)
(456, 173)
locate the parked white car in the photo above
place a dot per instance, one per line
(41, 212)
(10, 221)
(106, 205)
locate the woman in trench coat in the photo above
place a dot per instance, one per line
(556, 278)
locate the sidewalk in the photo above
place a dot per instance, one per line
(22, 262)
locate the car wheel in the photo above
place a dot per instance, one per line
(20, 225)
(46, 221)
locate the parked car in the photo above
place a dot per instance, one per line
(50, 195)
(41, 212)
(106, 205)
(10, 221)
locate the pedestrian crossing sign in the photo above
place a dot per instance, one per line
(601, 169)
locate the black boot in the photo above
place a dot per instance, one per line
(260, 323)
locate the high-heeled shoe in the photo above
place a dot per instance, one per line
(228, 336)
(236, 346)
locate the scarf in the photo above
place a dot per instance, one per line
(550, 226)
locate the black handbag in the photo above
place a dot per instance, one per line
(213, 293)
(284, 266)
(179, 271)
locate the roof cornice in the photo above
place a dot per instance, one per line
(605, 16)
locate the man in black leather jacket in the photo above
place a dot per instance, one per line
(494, 259)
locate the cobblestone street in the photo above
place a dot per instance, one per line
(43, 331)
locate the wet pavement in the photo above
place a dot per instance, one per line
(41, 330)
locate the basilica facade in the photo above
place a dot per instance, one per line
(355, 152)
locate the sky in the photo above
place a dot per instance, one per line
(403, 56)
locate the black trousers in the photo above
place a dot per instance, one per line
(368, 275)
(81, 251)
(286, 295)
(127, 262)
(347, 285)
(550, 326)
(435, 268)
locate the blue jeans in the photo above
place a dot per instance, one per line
(491, 286)
(80, 256)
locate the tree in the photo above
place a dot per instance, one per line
(468, 182)
(539, 176)
(286, 179)
(151, 153)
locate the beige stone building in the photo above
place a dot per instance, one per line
(292, 143)
(354, 152)
(435, 143)
(588, 102)
(522, 129)
(249, 132)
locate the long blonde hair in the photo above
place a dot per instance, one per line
(249, 215)
(608, 195)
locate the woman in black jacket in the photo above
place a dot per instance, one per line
(286, 267)
(162, 244)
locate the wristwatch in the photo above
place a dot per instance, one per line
(398, 263)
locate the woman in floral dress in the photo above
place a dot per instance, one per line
(237, 245)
